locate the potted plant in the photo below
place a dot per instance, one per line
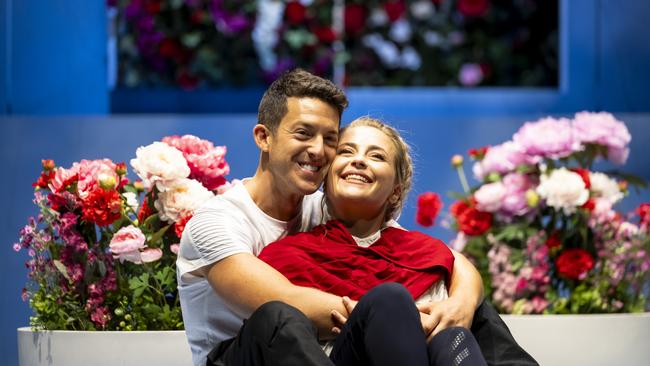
(102, 253)
(541, 228)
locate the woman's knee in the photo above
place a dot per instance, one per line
(389, 296)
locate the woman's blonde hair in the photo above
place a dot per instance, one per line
(403, 161)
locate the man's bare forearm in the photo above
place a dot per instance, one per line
(466, 282)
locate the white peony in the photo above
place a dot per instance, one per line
(181, 198)
(563, 189)
(400, 31)
(490, 197)
(605, 187)
(131, 200)
(159, 164)
(422, 9)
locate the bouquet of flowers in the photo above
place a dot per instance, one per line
(102, 250)
(541, 227)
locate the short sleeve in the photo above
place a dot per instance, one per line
(213, 234)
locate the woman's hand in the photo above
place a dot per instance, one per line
(340, 319)
(439, 315)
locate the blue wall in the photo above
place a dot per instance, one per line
(27, 140)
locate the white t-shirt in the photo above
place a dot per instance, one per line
(227, 224)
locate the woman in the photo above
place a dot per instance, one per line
(363, 248)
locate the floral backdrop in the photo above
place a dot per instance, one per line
(213, 43)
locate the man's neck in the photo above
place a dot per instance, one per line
(272, 200)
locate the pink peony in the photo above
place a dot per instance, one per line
(207, 163)
(547, 138)
(175, 248)
(500, 159)
(514, 203)
(603, 129)
(126, 243)
(489, 197)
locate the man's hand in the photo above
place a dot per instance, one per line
(439, 315)
(340, 319)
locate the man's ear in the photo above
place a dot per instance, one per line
(262, 136)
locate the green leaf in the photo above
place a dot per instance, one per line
(157, 236)
(61, 268)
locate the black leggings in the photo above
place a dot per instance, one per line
(385, 329)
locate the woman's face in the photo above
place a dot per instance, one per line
(362, 175)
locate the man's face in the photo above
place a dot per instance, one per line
(303, 145)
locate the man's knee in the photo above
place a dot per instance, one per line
(277, 318)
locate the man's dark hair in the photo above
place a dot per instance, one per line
(300, 84)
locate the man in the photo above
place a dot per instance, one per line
(221, 280)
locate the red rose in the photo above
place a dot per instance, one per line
(474, 222)
(325, 34)
(429, 204)
(644, 213)
(574, 263)
(295, 13)
(198, 16)
(186, 80)
(354, 18)
(394, 9)
(169, 48)
(478, 154)
(180, 225)
(458, 208)
(472, 8)
(553, 241)
(102, 207)
(153, 7)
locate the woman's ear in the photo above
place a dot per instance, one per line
(262, 135)
(395, 196)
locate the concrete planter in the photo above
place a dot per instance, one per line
(81, 348)
(554, 340)
(594, 340)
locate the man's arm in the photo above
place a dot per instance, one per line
(245, 282)
(465, 295)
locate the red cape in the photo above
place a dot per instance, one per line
(328, 258)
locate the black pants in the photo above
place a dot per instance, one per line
(385, 330)
(278, 334)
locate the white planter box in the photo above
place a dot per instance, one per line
(81, 348)
(554, 340)
(589, 340)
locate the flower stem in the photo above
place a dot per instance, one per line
(463, 179)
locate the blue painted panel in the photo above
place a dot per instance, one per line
(625, 56)
(5, 29)
(58, 57)
(25, 141)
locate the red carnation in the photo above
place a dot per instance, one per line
(144, 211)
(474, 222)
(44, 179)
(354, 18)
(169, 48)
(553, 241)
(102, 207)
(473, 8)
(180, 225)
(153, 7)
(574, 263)
(589, 205)
(186, 80)
(644, 213)
(295, 12)
(429, 204)
(394, 9)
(584, 174)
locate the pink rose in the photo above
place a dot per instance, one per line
(126, 243)
(490, 196)
(151, 255)
(207, 163)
